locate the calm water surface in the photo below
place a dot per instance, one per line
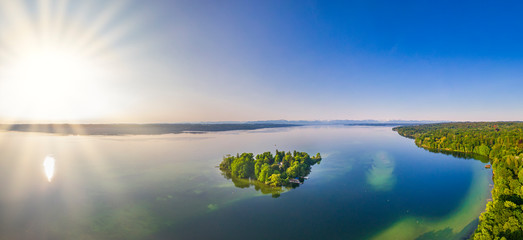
(371, 184)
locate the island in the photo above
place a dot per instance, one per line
(502, 144)
(282, 169)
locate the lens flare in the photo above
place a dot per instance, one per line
(49, 167)
(54, 58)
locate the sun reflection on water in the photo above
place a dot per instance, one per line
(49, 167)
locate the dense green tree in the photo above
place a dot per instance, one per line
(272, 170)
(265, 173)
(502, 143)
(257, 168)
(243, 166)
(276, 180)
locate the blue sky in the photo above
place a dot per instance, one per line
(361, 59)
(260, 60)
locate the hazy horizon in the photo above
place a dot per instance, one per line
(224, 121)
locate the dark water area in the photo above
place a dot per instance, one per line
(475, 156)
(371, 184)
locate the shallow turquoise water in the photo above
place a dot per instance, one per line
(372, 183)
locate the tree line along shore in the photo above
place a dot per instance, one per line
(502, 143)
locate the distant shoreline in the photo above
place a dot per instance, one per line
(116, 129)
(134, 129)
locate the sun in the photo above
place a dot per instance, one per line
(53, 83)
(58, 63)
(51, 66)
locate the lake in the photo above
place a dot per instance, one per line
(371, 184)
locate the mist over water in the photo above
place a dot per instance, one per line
(371, 183)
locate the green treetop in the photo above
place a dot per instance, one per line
(272, 170)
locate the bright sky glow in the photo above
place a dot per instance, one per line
(177, 61)
(50, 84)
(57, 63)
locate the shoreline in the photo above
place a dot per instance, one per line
(466, 155)
(136, 129)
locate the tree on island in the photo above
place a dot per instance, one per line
(272, 170)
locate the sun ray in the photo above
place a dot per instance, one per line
(43, 19)
(16, 22)
(60, 61)
(26, 164)
(54, 62)
(74, 186)
(54, 58)
(92, 32)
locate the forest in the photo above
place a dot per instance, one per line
(502, 143)
(282, 169)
